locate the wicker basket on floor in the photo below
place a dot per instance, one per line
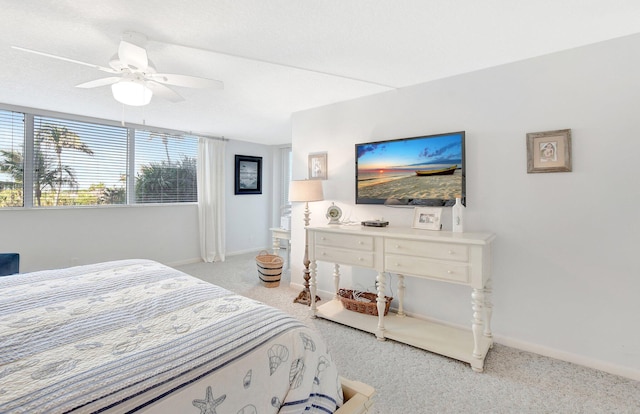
(362, 302)
(269, 268)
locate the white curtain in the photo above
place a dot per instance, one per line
(211, 198)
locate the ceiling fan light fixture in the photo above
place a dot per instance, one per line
(131, 92)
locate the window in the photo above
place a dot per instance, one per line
(78, 163)
(71, 162)
(11, 159)
(166, 168)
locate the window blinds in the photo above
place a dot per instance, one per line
(78, 163)
(165, 167)
(285, 178)
(11, 159)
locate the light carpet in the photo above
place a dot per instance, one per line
(410, 380)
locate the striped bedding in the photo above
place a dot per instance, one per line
(137, 336)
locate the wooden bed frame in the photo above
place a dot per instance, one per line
(358, 397)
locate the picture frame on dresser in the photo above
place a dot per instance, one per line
(549, 151)
(427, 218)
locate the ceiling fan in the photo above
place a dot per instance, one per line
(137, 79)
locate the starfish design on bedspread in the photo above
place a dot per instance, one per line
(209, 404)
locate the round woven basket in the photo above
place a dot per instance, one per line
(269, 268)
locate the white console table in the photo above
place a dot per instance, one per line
(461, 258)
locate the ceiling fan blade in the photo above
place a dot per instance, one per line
(185, 80)
(133, 55)
(91, 65)
(164, 92)
(99, 82)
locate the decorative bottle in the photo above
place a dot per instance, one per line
(457, 213)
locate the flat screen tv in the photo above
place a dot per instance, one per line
(426, 170)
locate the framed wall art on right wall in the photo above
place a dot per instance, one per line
(549, 151)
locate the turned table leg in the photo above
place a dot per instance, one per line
(488, 311)
(400, 295)
(336, 279)
(477, 301)
(313, 287)
(381, 279)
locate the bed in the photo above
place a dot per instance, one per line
(138, 336)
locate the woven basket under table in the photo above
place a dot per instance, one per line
(367, 304)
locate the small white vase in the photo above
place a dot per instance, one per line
(457, 215)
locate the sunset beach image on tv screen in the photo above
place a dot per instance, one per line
(425, 170)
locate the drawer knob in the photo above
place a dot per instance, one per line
(397, 264)
(324, 254)
(360, 242)
(397, 246)
(360, 259)
(450, 271)
(322, 238)
(450, 251)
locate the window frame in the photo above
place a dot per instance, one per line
(31, 113)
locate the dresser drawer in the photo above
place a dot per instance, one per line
(435, 269)
(442, 251)
(348, 241)
(348, 257)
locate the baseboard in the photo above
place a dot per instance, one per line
(184, 262)
(610, 368)
(253, 250)
(227, 254)
(299, 286)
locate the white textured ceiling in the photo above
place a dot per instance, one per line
(277, 57)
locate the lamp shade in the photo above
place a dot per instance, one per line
(305, 190)
(131, 92)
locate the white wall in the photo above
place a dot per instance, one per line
(565, 278)
(54, 238)
(249, 216)
(61, 237)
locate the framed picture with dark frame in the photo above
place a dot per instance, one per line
(549, 151)
(248, 178)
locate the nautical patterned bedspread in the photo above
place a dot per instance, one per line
(137, 336)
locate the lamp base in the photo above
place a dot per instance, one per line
(304, 298)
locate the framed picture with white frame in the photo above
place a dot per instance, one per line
(427, 218)
(318, 166)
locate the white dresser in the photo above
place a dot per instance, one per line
(461, 258)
